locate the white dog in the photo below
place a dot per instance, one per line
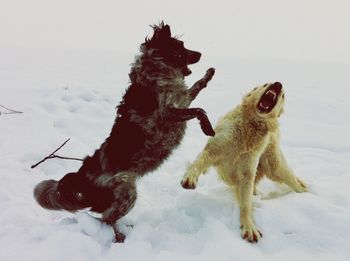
(246, 148)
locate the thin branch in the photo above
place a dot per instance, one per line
(52, 155)
(9, 111)
(67, 158)
(64, 143)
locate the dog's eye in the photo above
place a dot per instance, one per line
(79, 195)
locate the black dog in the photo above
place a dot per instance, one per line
(150, 123)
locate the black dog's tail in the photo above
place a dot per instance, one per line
(48, 196)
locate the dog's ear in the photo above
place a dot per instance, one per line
(161, 33)
(165, 32)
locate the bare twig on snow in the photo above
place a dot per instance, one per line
(9, 111)
(52, 155)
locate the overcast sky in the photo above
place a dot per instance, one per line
(307, 30)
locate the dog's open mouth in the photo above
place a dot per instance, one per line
(192, 57)
(270, 97)
(186, 71)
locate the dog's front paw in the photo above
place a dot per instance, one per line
(189, 182)
(250, 233)
(302, 187)
(204, 122)
(207, 128)
(209, 75)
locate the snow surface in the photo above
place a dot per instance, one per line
(72, 94)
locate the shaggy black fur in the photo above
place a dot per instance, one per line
(150, 123)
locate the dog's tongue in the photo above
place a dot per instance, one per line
(186, 71)
(267, 100)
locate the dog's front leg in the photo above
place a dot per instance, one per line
(245, 188)
(197, 168)
(201, 84)
(179, 115)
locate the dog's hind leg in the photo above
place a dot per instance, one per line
(201, 84)
(260, 173)
(119, 208)
(125, 195)
(278, 170)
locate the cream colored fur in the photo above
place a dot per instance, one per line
(246, 148)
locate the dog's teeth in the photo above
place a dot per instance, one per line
(272, 92)
(262, 105)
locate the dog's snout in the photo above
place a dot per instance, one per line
(193, 57)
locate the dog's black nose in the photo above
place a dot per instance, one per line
(277, 85)
(193, 57)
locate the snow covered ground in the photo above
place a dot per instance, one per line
(72, 94)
